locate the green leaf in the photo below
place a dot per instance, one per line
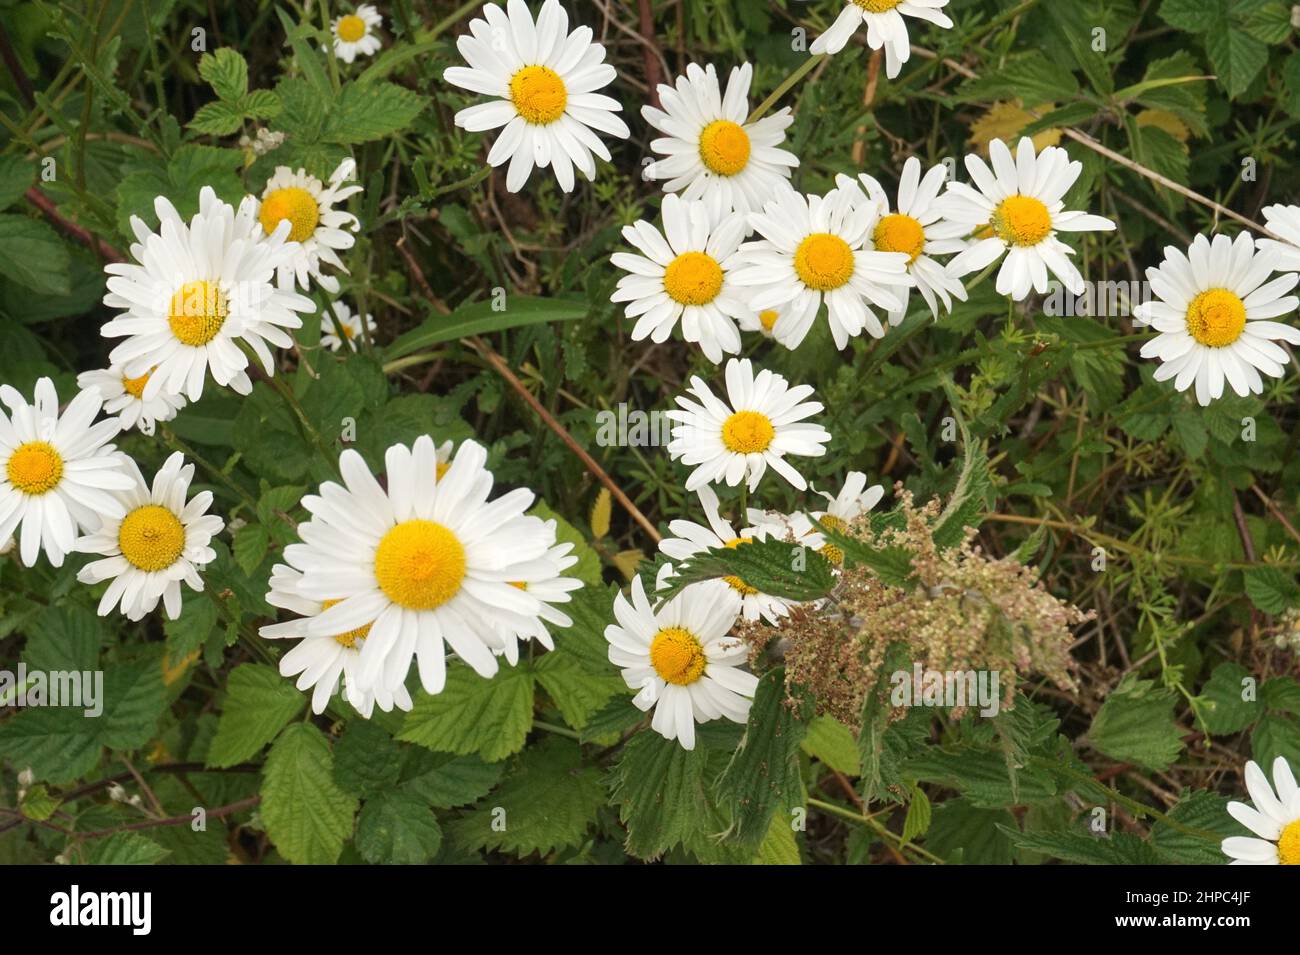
(134, 700)
(481, 318)
(832, 742)
(1086, 848)
(1033, 78)
(659, 789)
(32, 255)
(444, 781)
(474, 715)
(763, 775)
(125, 848)
(226, 71)
(1203, 811)
(260, 104)
(981, 775)
(57, 743)
(259, 702)
(961, 833)
(770, 566)
(1194, 16)
(547, 802)
(919, 814)
(577, 674)
(1136, 725)
(1281, 693)
(250, 547)
(218, 118)
(64, 637)
(1276, 735)
(1227, 712)
(17, 175)
(366, 759)
(1237, 58)
(306, 56)
(397, 827)
(307, 816)
(1271, 589)
(38, 804)
(779, 847)
(373, 111)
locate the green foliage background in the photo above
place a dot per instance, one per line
(1084, 450)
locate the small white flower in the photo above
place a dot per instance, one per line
(885, 27)
(815, 249)
(321, 661)
(320, 230)
(763, 322)
(540, 578)
(58, 473)
(163, 539)
(1017, 210)
(695, 539)
(545, 80)
(919, 230)
(1285, 222)
(124, 397)
(1212, 309)
(686, 276)
(1275, 819)
(199, 289)
(709, 148)
(356, 34)
(681, 659)
(759, 425)
(351, 324)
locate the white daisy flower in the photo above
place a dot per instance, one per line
(693, 538)
(1275, 819)
(686, 276)
(427, 562)
(161, 540)
(1212, 311)
(709, 148)
(759, 425)
(351, 324)
(853, 500)
(357, 34)
(815, 249)
(58, 473)
(1017, 210)
(919, 230)
(321, 661)
(320, 230)
(680, 658)
(885, 27)
(124, 397)
(542, 579)
(199, 290)
(545, 80)
(763, 322)
(1283, 221)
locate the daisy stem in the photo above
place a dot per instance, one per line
(176, 444)
(308, 429)
(982, 276)
(328, 44)
(804, 69)
(557, 730)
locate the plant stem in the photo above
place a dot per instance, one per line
(804, 69)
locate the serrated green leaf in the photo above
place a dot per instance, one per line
(373, 111)
(832, 742)
(125, 848)
(659, 789)
(1226, 711)
(397, 827)
(259, 702)
(1136, 725)
(226, 71)
(32, 255)
(474, 715)
(366, 759)
(307, 816)
(17, 175)
(445, 781)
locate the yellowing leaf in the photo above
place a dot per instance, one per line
(1163, 119)
(174, 671)
(1004, 121)
(600, 513)
(627, 560)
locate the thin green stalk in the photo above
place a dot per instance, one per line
(804, 69)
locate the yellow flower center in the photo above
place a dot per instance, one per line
(828, 550)
(442, 467)
(1021, 220)
(1216, 318)
(151, 537)
(198, 310)
(900, 233)
(877, 6)
(135, 386)
(295, 204)
(677, 656)
(350, 638)
(35, 467)
(824, 262)
(693, 278)
(351, 28)
(724, 147)
(420, 565)
(737, 583)
(1288, 844)
(768, 319)
(539, 94)
(521, 584)
(748, 432)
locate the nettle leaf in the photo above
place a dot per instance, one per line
(1237, 57)
(892, 564)
(125, 848)
(1271, 589)
(59, 744)
(1194, 16)
(1136, 725)
(473, 715)
(877, 779)
(366, 759)
(577, 674)
(547, 802)
(962, 833)
(1276, 734)
(17, 175)
(33, 255)
(1033, 78)
(771, 566)
(981, 775)
(1281, 693)
(763, 775)
(64, 637)
(445, 781)
(134, 700)
(307, 815)
(1226, 712)
(1206, 823)
(372, 111)
(259, 702)
(397, 827)
(832, 742)
(226, 71)
(659, 788)
(1085, 847)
